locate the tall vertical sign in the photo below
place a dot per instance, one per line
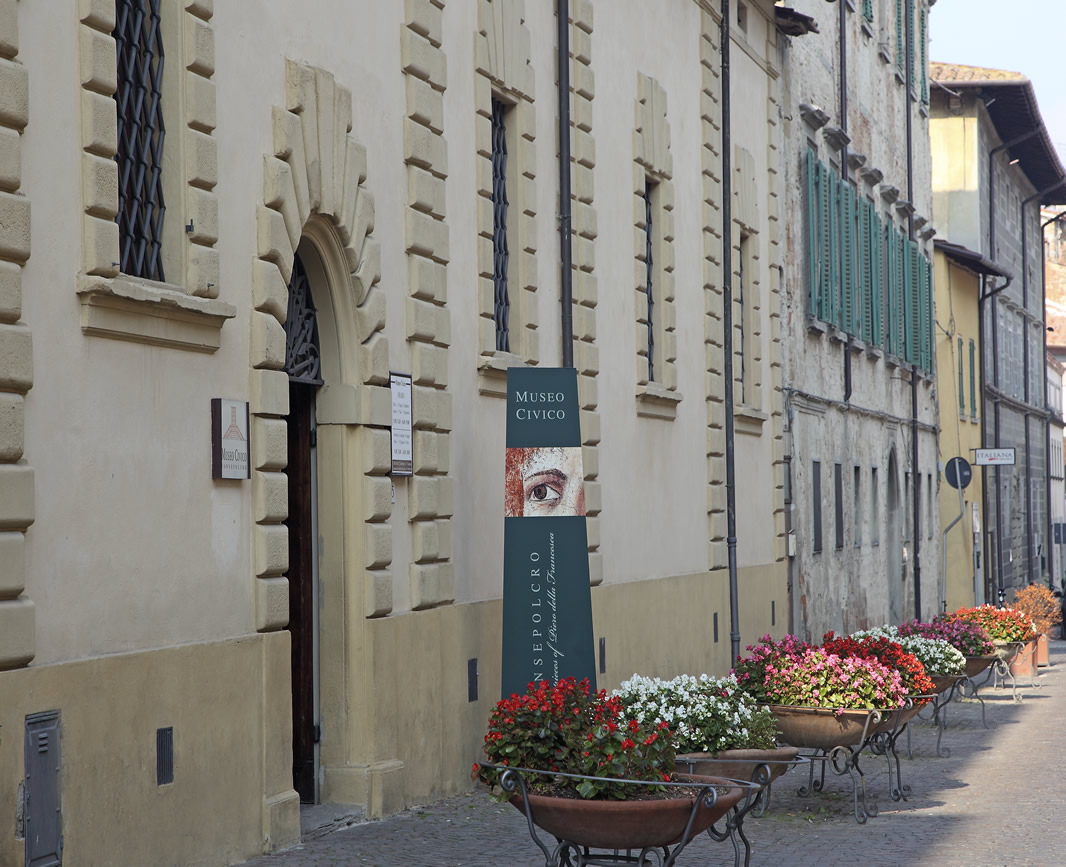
(547, 604)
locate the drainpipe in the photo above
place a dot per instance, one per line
(916, 511)
(566, 283)
(727, 343)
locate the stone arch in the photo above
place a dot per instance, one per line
(313, 194)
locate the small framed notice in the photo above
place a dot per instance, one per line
(403, 463)
(229, 439)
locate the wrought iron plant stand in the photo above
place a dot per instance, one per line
(742, 797)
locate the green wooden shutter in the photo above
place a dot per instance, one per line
(868, 10)
(866, 240)
(825, 204)
(923, 24)
(973, 382)
(814, 242)
(847, 252)
(900, 36)
(876, 276)
(908, 300)
(834, 252)
(962, 393)
(890, 293)
(930, 315)
(910, 48)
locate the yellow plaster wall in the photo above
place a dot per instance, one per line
(956, 311)
(230, 780)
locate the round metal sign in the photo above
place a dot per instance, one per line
(958, 472)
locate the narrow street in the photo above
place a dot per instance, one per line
(989, 803)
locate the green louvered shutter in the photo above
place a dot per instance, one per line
(900, 36)
(930, 314)
(962, 393)
(825, 205)
(889, 249)
(866, 268)
(923, 24)
(902, 284)
(847, 252)
(814, 242)
(868, 9)
(973, 381)
(908, 300)
(836, 306)
(910, 48)
(877, 276)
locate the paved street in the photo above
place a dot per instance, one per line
(995, 801)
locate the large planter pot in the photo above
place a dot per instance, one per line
(629, 824)
(1024, 664)
(976, 664)
(1007, 650)
(821, 728)
(737, 764)
(1041, 651)
(944, 682)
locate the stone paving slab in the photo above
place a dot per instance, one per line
(996, 800)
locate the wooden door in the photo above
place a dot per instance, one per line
(301, 586)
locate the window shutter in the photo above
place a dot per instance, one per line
(814, 241)
(847, 249)
(868, 10)
(834, 250)
(962, 394)
(923, 18)
(973, 382)
(910, 48)
(908, 300)
(866, 241)
(876, 276)
(890, 288)
(826, 202)
(900, 37)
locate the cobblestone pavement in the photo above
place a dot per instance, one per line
(996, 800)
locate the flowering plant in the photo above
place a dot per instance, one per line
(890, 654)
(935, 654)
(705, 714)
(570, 729)
(765, 659)
(1040, 604)
(1001, 624)
(823, 678)
(970, 639)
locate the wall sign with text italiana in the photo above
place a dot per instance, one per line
(403, 463)
(547, 603)
(229, 439)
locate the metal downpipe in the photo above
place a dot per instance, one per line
(566, 277)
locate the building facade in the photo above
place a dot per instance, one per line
(994, 166)
(1056, 483)
(284, 210)
(859, 370)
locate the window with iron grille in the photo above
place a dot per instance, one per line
(838, 504)
(816, 503)
(138, 98)
(649, 267)
(500, 253)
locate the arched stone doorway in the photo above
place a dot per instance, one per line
(316, 219)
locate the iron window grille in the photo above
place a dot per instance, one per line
(303, 361)
(816, 503)
(500, 253)
(649, 265)
(138, 98)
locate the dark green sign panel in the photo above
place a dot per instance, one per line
(547, 605)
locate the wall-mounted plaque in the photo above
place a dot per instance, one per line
(229, 439)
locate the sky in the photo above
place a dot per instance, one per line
(1023, 36)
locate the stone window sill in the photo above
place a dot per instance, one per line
(656, 401)
(157, 314)
(492, 372)
(748, 420)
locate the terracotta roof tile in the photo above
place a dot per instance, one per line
(958, 72)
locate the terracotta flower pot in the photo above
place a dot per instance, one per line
(1024, 664)
(629, 824)
(821, 728)
(1042, 651)
(976, 664)
(737, 764)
